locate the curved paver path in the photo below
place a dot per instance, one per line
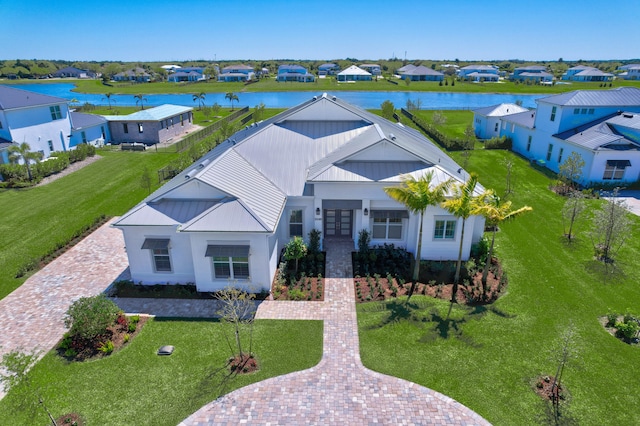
(339, 390)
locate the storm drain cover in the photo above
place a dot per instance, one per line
(165, 350)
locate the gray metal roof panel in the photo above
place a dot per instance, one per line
(13, 98)
(152, 114)
(81, 120)
(525, 118)
(422, 70)
(500, 110)
(620, 96)
(230, 215)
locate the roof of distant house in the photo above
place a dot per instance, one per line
(152, 114)
(12, 98)
(422, 70)
(354, 70)
(600, 133)
(81, 120)
(500, 110)
(620, 96)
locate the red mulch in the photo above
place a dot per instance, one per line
(308, 288)
(70, 419)
(544, 388)
(244, 364)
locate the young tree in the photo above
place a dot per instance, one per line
(461, 205)
(15, 375)
(145, 179)
(238, 309)
(23, 152)
(199, 97)
(495, 212)
(611, 228)
(232, 97)
(296, 249)
(572, 209)
(258, 112)
(570, 171)
(388, 109)
(215, 109)
(417, 195)
(140, 99)
(508, 163)
(438, 118)
(563, 354)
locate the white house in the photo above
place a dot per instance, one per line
(321, 165)
(237, 72)
(585, 73)
(603, 126)
(487, 120)
(354, 73)
(630, 72)
(479, 73)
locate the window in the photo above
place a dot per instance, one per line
(84, 137)
(0, 124)
(104, 136)
(495, 129)
(50, 145)
(504, 125)
(560, 155)
(387, 224)
(125, 127)
(549, 151)
(529, 144)
(295, 223)
(159, 248)
(181, 119)
(614, 170)
(576, 111)
(140, 130)
(583, 111)
(56, 114)
(553, 113)
(229, 262)
(161, 124)
(513, 127)
(445, 230)
(591, 111)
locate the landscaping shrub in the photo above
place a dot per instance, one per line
(502, 142)
(432, 132)
(88, 317)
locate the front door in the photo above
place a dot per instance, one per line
(338, 223)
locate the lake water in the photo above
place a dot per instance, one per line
(367, 100)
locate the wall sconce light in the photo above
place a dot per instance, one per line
(317, 211)
(366, 211)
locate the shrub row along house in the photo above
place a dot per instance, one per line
(321, 165)
(603, 126)
(45, 123)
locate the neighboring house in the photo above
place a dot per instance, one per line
(374, 69)
(422, 73)
(187, 74)
(328, 69)
(631, 72)
(534, 73)
(88, 128)
(320, 165)
(584, 73)
(237, 73)
(150, 126)
(171, 67)
(42, 121)
(73, 72)
(404, 69)
(479, 73)
(354, 73)
(487, 120)
(602, 126)
(138, 74)
(294, 73)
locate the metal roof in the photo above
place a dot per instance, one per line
(525, 118)
(354, 70)
(618, 97)
(80, 120)
(594, 72)
(605, 131)
(152, 114)
(500, 110)
(422, 70)
(12, 98)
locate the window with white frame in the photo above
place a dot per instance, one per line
(529, 144)
(549, 151)
(295, 223)
(387, 224)
(229, 261)
(614, 169)
(84, 137)
(560, 155)
(495, 129)
(56, 114)
(159, 248)
(50, 143)
(445, 229)
(125, 127)
(553, 113)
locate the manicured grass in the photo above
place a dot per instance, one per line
(36, 219)
(137, 387)
(322, 84)
(456, 121)
(490, 363)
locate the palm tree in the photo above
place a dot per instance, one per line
(140, 99)
(108, 96)
(232, 97)
(23, 152)
(417, 195)
(461, 205)
(495, 211)
(200, 98)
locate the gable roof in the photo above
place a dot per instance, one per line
(13, 98)
(500, 110)
(620, 96)
(80, 120)
(354, 70)
(251, 174)
(422, 70)
(152, 114)
(525, 118)
(605, 131)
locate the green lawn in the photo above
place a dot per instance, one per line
(137, 387)
(36, 219)
(456, 121)
(489, 364)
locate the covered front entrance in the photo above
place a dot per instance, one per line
(338, 217)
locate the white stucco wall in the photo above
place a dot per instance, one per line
(35, 127)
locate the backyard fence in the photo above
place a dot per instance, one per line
(195, 137)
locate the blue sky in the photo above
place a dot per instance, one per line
(173, 30)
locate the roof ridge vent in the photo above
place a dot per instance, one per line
(627, 115)
(191, 174)
(204, 163)
(392, 136)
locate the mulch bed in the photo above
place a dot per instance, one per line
(70, 419)
(244, 364)
(306, 288)
(545, 390)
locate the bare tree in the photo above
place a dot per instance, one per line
(611, 228)
(438, 118)
(562, 355)
(572, 209)
(238, 309)
(570, 171)
(508, 163)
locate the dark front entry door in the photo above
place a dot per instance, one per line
(338, 223)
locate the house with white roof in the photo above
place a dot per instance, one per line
(45, 123)
(187, 74)
(603, 126)
(288, 72)
(320, 165)
(354, 73)
(328, 69)
(479, 73)
(237, 72)
(533, 73)
(487, 120)
(585, 73)
(151, 126)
